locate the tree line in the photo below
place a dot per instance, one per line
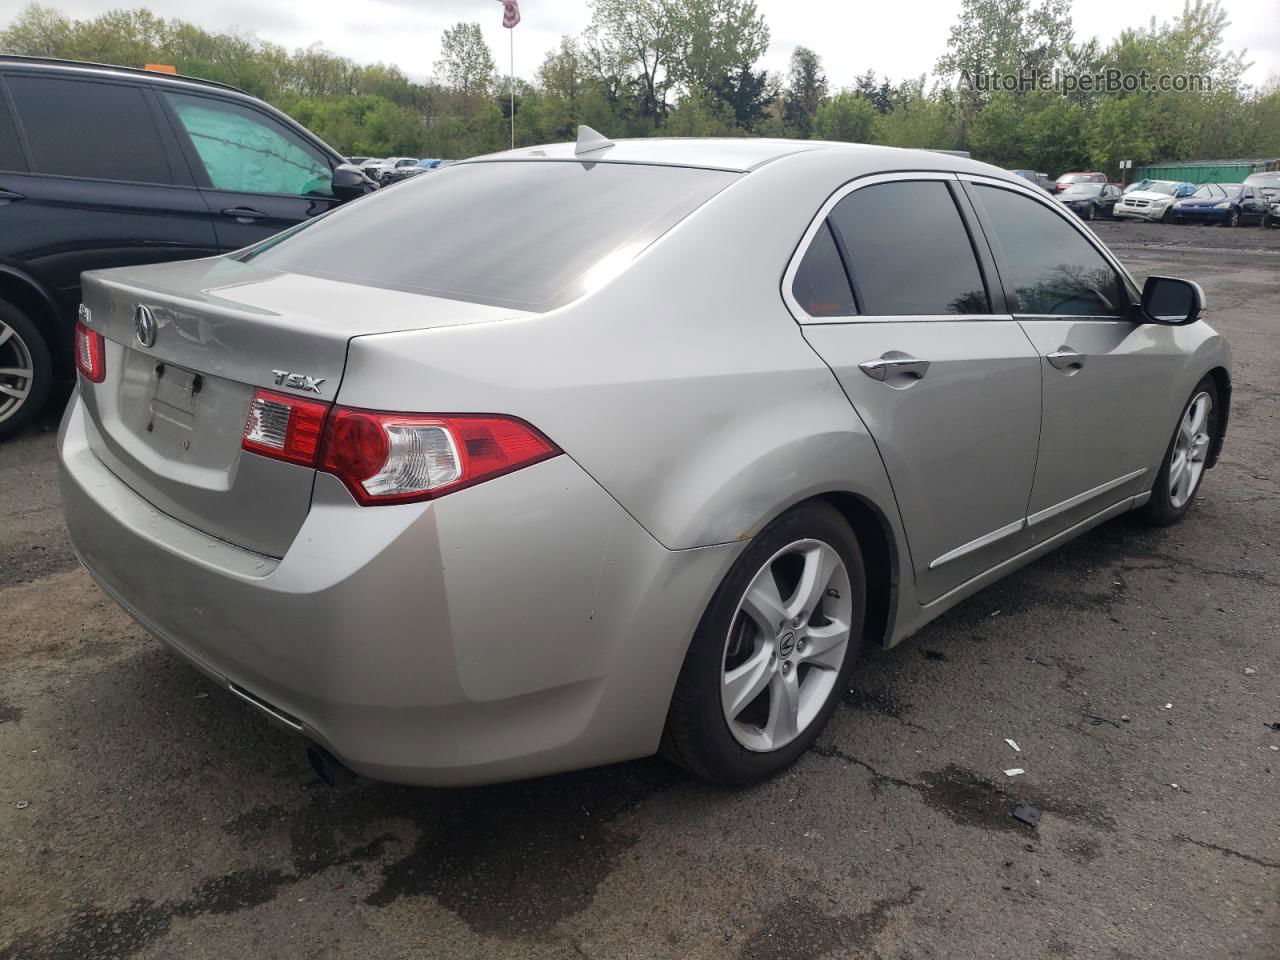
(691, 68)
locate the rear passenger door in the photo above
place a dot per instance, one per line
(1107, 378)
(896, 297)
(258, 175)
(99, 181)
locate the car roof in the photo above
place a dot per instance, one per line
(737, 154)
(106, 69)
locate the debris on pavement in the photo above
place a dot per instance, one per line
(1014, 744)
(1027, 814)
(1249, 671)
(1124, 717)
(1014, 772)
(1099, 721)
(1167, 706)
(21, 804)
(1275, 726)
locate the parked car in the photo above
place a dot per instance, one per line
(1226, 204)
(1268, 183)
(1067, 179)
(375, 169)
(1090, 200)
(391, 168)
(401, 169)
(1041, 180)
(456, 512)
(1154, 201)
(1272, 219)
(107, 166)
(357, 161)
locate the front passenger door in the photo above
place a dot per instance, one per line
(1107, 378)
(890, 293)
(257, 175)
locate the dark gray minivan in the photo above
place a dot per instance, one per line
(105, 166)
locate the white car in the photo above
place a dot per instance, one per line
(1153, 202)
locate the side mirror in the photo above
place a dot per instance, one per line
(350, 182)
(1171, 301)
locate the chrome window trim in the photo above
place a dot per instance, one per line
(802, 249)
(1076, 224)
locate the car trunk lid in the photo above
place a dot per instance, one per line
(187, 346)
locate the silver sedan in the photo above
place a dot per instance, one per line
(572, 454)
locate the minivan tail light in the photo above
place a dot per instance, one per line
(284, 427)
(401, 458)
(91, 354)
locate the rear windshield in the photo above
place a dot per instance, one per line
(531, 235)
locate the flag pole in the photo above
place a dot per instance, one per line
(511, 83)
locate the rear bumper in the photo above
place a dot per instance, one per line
(520, 627)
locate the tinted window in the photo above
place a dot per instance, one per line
(10, 150)
(530, 235)
(1054, 270)
(79, 128)
(821, 286)
(248, 152)
(909, 252)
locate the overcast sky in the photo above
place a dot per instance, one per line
(893, 39)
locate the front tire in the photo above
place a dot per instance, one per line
(1183, 466)
(1233, 220)
(773, 652)
(26, 372)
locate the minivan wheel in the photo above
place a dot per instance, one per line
(1184, 462)
(25, 370)
(773, 651)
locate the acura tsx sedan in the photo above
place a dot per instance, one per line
(638, 458)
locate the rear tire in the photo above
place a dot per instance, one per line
(1182, 469)
(750, 700)
(26, 372)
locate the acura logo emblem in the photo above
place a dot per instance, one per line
(144, 325)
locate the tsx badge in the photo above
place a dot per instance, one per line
(297, 381)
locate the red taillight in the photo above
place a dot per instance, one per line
(286, 428)
(402, 458)
(385, 458)
(91, 355)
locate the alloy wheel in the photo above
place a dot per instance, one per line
(17, 371)
(786, 645)
(1190, 447)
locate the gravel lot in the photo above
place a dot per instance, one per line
(144, 813)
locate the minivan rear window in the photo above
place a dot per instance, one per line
(531, 235)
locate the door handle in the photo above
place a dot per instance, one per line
(894, 364)
(8, 195)
(1064, 358)
(244, 214)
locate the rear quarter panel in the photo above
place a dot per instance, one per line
(683, 386)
